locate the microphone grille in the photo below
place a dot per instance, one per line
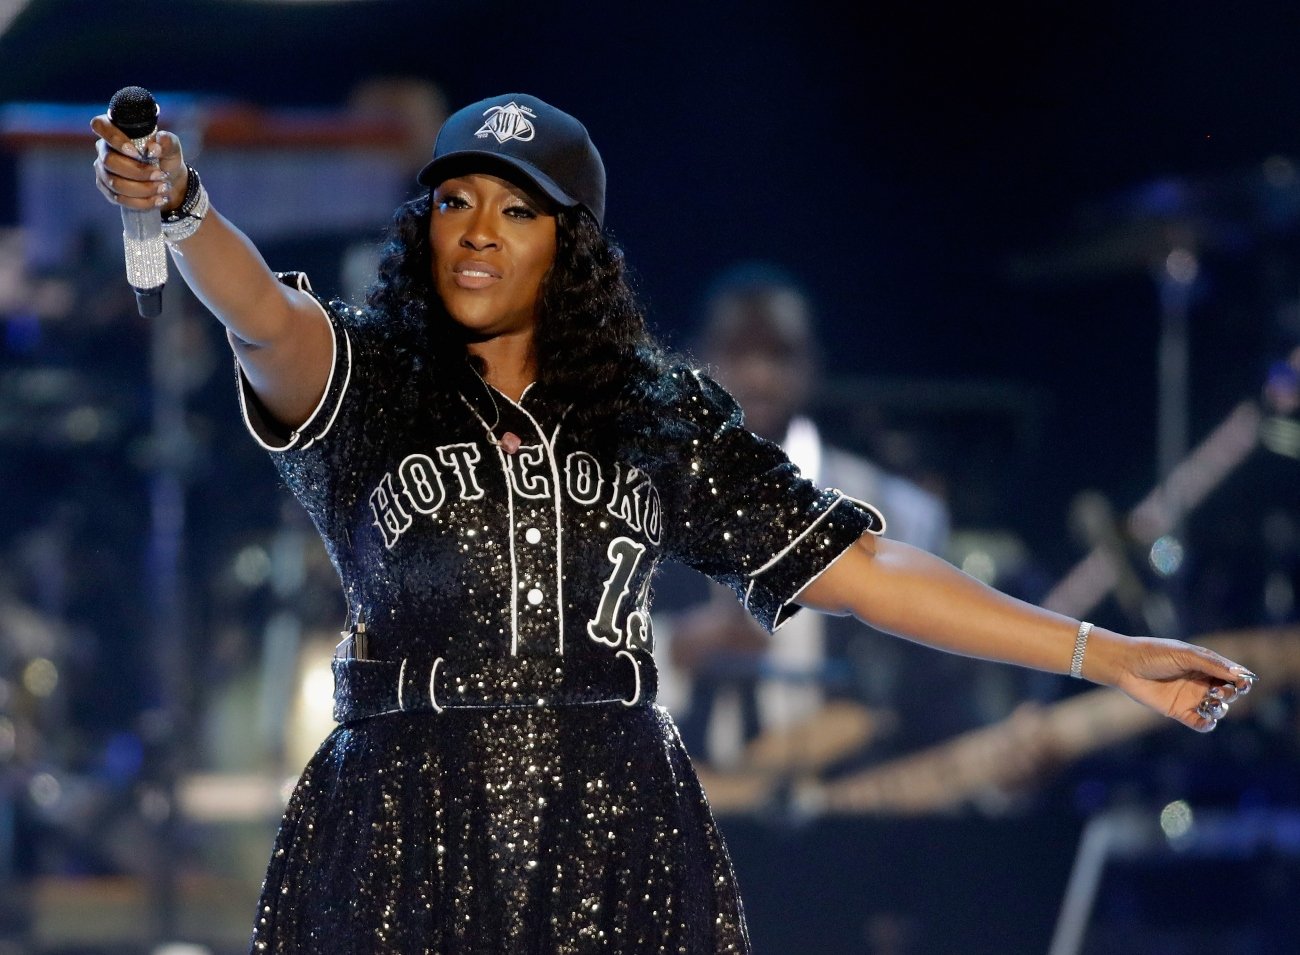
(133, 111)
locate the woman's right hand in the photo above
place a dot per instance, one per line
(155, 181)
(280, 334)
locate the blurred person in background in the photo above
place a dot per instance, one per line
(759, 337)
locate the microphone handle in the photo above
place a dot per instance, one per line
(146, 253)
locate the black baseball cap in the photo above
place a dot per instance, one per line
(522, 134)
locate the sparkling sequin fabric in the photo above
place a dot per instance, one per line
(501, 780)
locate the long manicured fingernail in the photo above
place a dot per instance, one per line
(130, 150)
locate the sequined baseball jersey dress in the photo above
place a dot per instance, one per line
(501, 780)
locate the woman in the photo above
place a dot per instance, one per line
(497, 454)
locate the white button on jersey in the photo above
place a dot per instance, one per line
(534, 596)
(532, 535)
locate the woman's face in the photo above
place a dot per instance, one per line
(492, 247)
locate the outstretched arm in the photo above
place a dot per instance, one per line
(280, 335)
(910, 593)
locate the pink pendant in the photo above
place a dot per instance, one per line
(510, 441)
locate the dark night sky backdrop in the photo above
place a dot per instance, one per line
(897, 164)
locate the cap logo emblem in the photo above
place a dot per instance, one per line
(508, 122)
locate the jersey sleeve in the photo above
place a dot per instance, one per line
(265, 430)
(747, 518)
(322, 461)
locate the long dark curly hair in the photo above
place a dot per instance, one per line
(594, 350)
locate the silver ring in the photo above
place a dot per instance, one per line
(1212, 709)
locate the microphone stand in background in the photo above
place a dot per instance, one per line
(168, 727)
(1176, 281)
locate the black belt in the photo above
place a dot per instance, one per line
(370, 687)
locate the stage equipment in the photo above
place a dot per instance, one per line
(1164, 228)
(329, 171)
(1254, 857)
(1035, 738)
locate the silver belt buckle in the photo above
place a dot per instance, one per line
(353, 646)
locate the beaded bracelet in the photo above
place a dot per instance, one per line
(183, 221)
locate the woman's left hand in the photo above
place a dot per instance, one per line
(1188, 683)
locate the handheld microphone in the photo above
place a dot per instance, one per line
(134, 112)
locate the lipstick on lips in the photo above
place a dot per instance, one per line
(474, 274)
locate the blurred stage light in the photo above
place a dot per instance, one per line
(83, 424)
(44, 790)
(981, 565)
(154, 805)
(9, 10)
(1167, 555)
(40, 677)
(252, 566)
(1279, 596)
(1279, 172)
(1281, 436)
(311, 713)
(1176, 820)
(1182, 266)
(8, 739)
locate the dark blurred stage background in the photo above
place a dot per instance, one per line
(1003, 215)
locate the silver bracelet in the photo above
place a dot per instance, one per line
(1080, 644)
(185, 221)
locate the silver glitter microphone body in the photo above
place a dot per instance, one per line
(134, 112)
(146, 252)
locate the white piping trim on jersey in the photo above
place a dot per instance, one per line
(866, 507)
(433, 688)
(329, 383)
(248, 422)
(636, 671)
(559, 550)
(512, 400)
(563, 414)
(802, 534)
(492, 438)
(338, 405)
(334, 359)
(401, 678)
(777, 622)
(514, 566)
